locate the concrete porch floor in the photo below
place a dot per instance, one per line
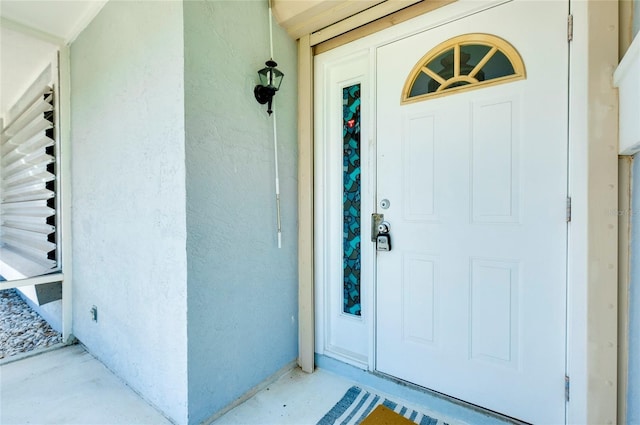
(69, 386)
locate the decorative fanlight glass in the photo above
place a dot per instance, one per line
(270, 80)
(465, 62)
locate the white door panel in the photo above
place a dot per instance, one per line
(471, 299)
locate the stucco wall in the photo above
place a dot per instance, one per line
(128, 213)
(242, 289)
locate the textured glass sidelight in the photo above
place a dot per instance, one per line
(351, 198)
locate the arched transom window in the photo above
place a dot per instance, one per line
(462, 63)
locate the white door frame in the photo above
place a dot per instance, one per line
(593, 172)
(345, 337)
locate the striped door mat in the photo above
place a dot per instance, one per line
(358, 406)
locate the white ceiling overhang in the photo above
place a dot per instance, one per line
(302, 17)
(305, 17)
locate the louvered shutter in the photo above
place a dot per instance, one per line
(28, 189)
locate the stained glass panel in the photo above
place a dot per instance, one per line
(351, 198)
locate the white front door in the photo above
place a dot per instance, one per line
(471, 300)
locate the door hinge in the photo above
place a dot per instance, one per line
(568, 209)
(567, 384)
(570, 28)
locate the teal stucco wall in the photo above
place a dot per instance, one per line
(174, 214)
(128, 212)
(242, 289)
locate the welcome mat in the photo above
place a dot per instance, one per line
(360, 407)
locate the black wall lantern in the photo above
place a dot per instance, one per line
(270, 80)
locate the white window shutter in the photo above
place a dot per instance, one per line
(28, 188)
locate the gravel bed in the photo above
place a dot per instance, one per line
(21, 328)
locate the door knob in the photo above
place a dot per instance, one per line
(383, 239)
(383, 227)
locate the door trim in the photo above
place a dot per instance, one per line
(306, 312)
(593, 233)
(592, 344)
